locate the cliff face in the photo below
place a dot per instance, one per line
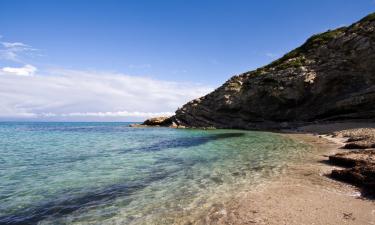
(330, 77)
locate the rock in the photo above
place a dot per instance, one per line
(361, 138)
(353, 158)
(363, 176)
(349, 175)
(353, 139)
(158, 121)
(361, 171)
(330, 77)
(359, 145)
(137, 125)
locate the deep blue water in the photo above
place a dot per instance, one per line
(109, 173)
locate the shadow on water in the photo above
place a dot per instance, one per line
(185, 142)
(64, 206)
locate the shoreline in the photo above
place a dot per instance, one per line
(304, 194)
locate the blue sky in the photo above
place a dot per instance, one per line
(194, 44)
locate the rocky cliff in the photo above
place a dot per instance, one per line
(330, 77)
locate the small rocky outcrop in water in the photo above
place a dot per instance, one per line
(158, 121)
(330, 77)
(360, 163)
(154, 122)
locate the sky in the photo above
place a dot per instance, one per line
(88, 60)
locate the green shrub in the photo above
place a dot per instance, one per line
(321, 39)
(298, 54)
(369, 17)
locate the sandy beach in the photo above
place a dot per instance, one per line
(304, 194)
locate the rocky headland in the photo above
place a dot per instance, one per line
(331, 77)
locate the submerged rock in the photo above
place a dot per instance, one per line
(137, 125)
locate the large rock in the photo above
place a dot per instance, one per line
(361, 171)
(158, 121)
(363, 176)
(330, 77)
(353, 158)
(360, 163)
(361, 138)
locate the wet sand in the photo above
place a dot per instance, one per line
(302, 195)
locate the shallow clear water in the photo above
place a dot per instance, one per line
(108, 173)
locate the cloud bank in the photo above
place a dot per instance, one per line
(71, 95)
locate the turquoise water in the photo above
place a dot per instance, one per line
(108, 173)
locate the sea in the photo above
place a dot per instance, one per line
(110, 173)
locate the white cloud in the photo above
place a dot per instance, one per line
(84, 95)
(14, 51)
(27, 70)
(14, 45)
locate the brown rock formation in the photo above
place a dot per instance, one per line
(362, 175)
(330, 77)
(158, 121)
(353, 158)
(361, 163)
(358, 138)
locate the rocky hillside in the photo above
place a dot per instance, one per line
(330, 77)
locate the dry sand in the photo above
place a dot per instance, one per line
(304, 194)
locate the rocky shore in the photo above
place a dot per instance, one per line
(359, 160)
(331, 77)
